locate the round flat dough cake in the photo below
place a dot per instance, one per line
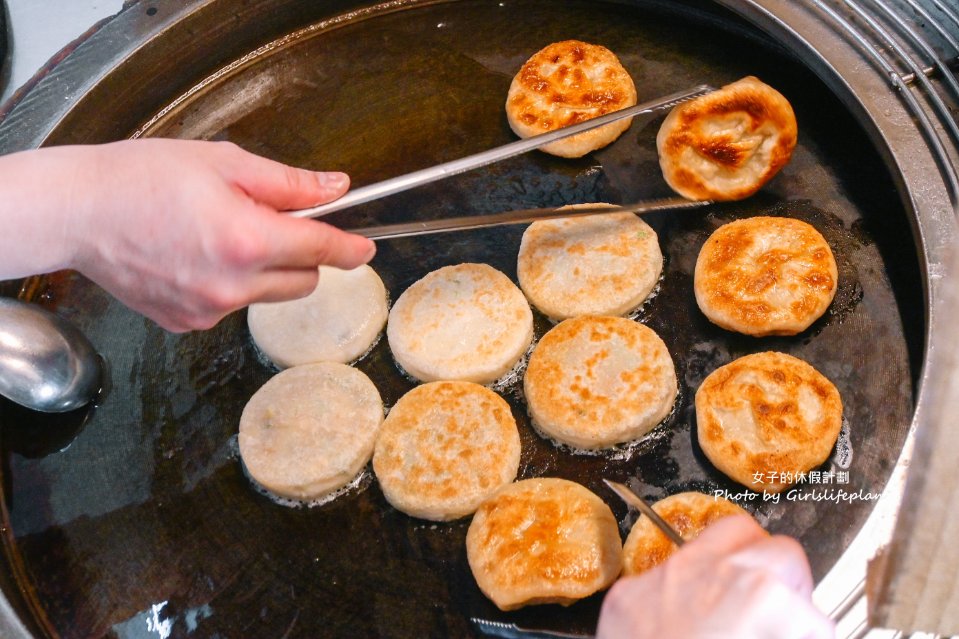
(765, 276)
(444, 448)
(310, 430)
(727, 144)
(466, 322)
(337, 322)
(542, 541)
(566, 83)
(688, 513)
(764, 415)
(593, 381)
(592, 265)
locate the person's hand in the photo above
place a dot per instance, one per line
(733, 581)
(181, 231)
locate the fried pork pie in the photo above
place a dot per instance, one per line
(765, 276)
(592, 265)
(467, 322)
(444, 448)
(766, 417)
(727, 144)
(337, 322)
(594, 381)
(688, 513)
(542, 541)
(310, 430)
(566, 83)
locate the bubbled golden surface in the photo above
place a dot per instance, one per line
(591, 265)
(727, 144)
(765, 415)
(765, 276)
(595, 381)
(566, 83)
(543, 540)
(444, 448)
(689, 514)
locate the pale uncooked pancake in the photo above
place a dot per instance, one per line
(593, 381)
(765, 276)
(310, 430)
(593, 265)
(566, 83)
(466, 322)
(688, 513)
(727, 144)
(543, 541)
(764, 415)
(337, 322)
(444, 448)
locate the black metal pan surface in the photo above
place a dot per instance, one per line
(135, 519)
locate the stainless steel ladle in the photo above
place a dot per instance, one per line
(46, 363)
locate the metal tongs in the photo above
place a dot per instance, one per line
(466, 222)
(408, 181)
(632, 499)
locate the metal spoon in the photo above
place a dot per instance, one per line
(46, 363)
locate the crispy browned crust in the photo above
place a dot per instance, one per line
(566, 83)
(767, 413)
(594, 265)
(688, 513)
(765, 276)
(595, 381)
(444, 448)
(543, 540)
(727, 144)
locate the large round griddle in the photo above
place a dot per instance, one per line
(137, 513)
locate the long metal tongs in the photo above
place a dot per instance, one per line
(432, 174)
(467, 222)
(626, 494)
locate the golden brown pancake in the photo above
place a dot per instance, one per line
(765, 276)
(444, 448)
(592, 265)
(466, 322)
(764, 415)
(727, 144)
(688, 513)
(543, 541)
(595, 381)
(310, 430)
(566, 83)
